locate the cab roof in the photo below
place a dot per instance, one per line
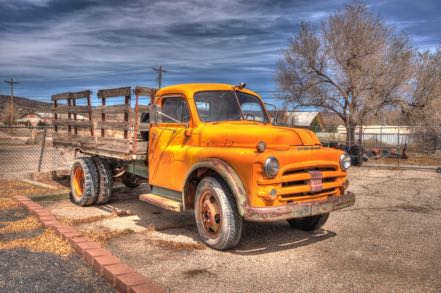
(191, 88)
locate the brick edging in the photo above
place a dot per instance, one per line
(120, 275)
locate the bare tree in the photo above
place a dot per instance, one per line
(7, 112)
(423, 102)
(352, 65)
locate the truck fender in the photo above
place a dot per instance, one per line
(224, 170)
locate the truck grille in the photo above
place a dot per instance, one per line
(305, 183)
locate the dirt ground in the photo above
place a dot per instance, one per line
(414, 159)
(389, 241)
(34, 259)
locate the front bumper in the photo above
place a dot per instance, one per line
(299, 210)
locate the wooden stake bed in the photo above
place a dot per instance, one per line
(110, 130)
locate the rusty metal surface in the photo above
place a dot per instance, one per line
(299, 210)
(229, 175)
(163, 202)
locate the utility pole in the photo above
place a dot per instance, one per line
(159, 78)
(11, 84)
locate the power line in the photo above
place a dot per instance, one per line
(159, 78)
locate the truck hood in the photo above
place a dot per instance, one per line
(248, 134)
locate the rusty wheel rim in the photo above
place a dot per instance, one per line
(78, 182)
(210, 214)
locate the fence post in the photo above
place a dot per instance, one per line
(398, 150)
(43, 143)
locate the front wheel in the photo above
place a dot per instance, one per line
(217, 218)
(309, 223)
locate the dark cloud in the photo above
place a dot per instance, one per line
(57, 45)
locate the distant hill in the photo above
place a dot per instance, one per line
(24, 105)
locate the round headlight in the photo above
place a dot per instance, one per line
(271, 167)
(345, 161)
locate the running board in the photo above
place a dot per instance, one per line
(163, 202)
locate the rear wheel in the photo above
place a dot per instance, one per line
(218, 221)
(309, 223)
(83, 182)
(105, 180)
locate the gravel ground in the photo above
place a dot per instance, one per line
(33, 259)
(22, 270)
(389, 241)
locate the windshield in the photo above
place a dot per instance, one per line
(216, 106)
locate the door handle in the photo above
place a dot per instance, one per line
(188, 132)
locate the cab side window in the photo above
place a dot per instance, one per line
(175, 107)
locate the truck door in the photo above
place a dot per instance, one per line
(168, 143)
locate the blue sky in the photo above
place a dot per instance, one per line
(52, 46)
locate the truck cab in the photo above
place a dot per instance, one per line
(213, 149)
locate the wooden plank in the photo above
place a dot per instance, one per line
(144, 91)
(94, 141)
(113, 125)
(60, 96)
(77, 123)
(70, 109)
(81, 95)
(143, 126)
(143, 108)
(122, 141)
(113, 109)
(141, 147)
(72, 95)
(116, 92)
(73, 140)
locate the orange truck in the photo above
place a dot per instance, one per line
(209, 148)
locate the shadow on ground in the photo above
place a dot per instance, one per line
(257, 238)
(179, 229)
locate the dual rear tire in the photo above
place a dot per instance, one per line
(91, 181)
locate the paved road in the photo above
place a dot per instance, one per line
(389, 241)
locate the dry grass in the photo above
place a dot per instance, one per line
(46, 242)
(114, 214)
(79, 221)
(178, 246)
(418, 159)
(26, 224)
(8, 204)
(104, 234)
(12, 188)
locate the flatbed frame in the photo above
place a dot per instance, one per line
(92, 138)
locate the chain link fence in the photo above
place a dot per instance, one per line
(29, 149)
(410, 146)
